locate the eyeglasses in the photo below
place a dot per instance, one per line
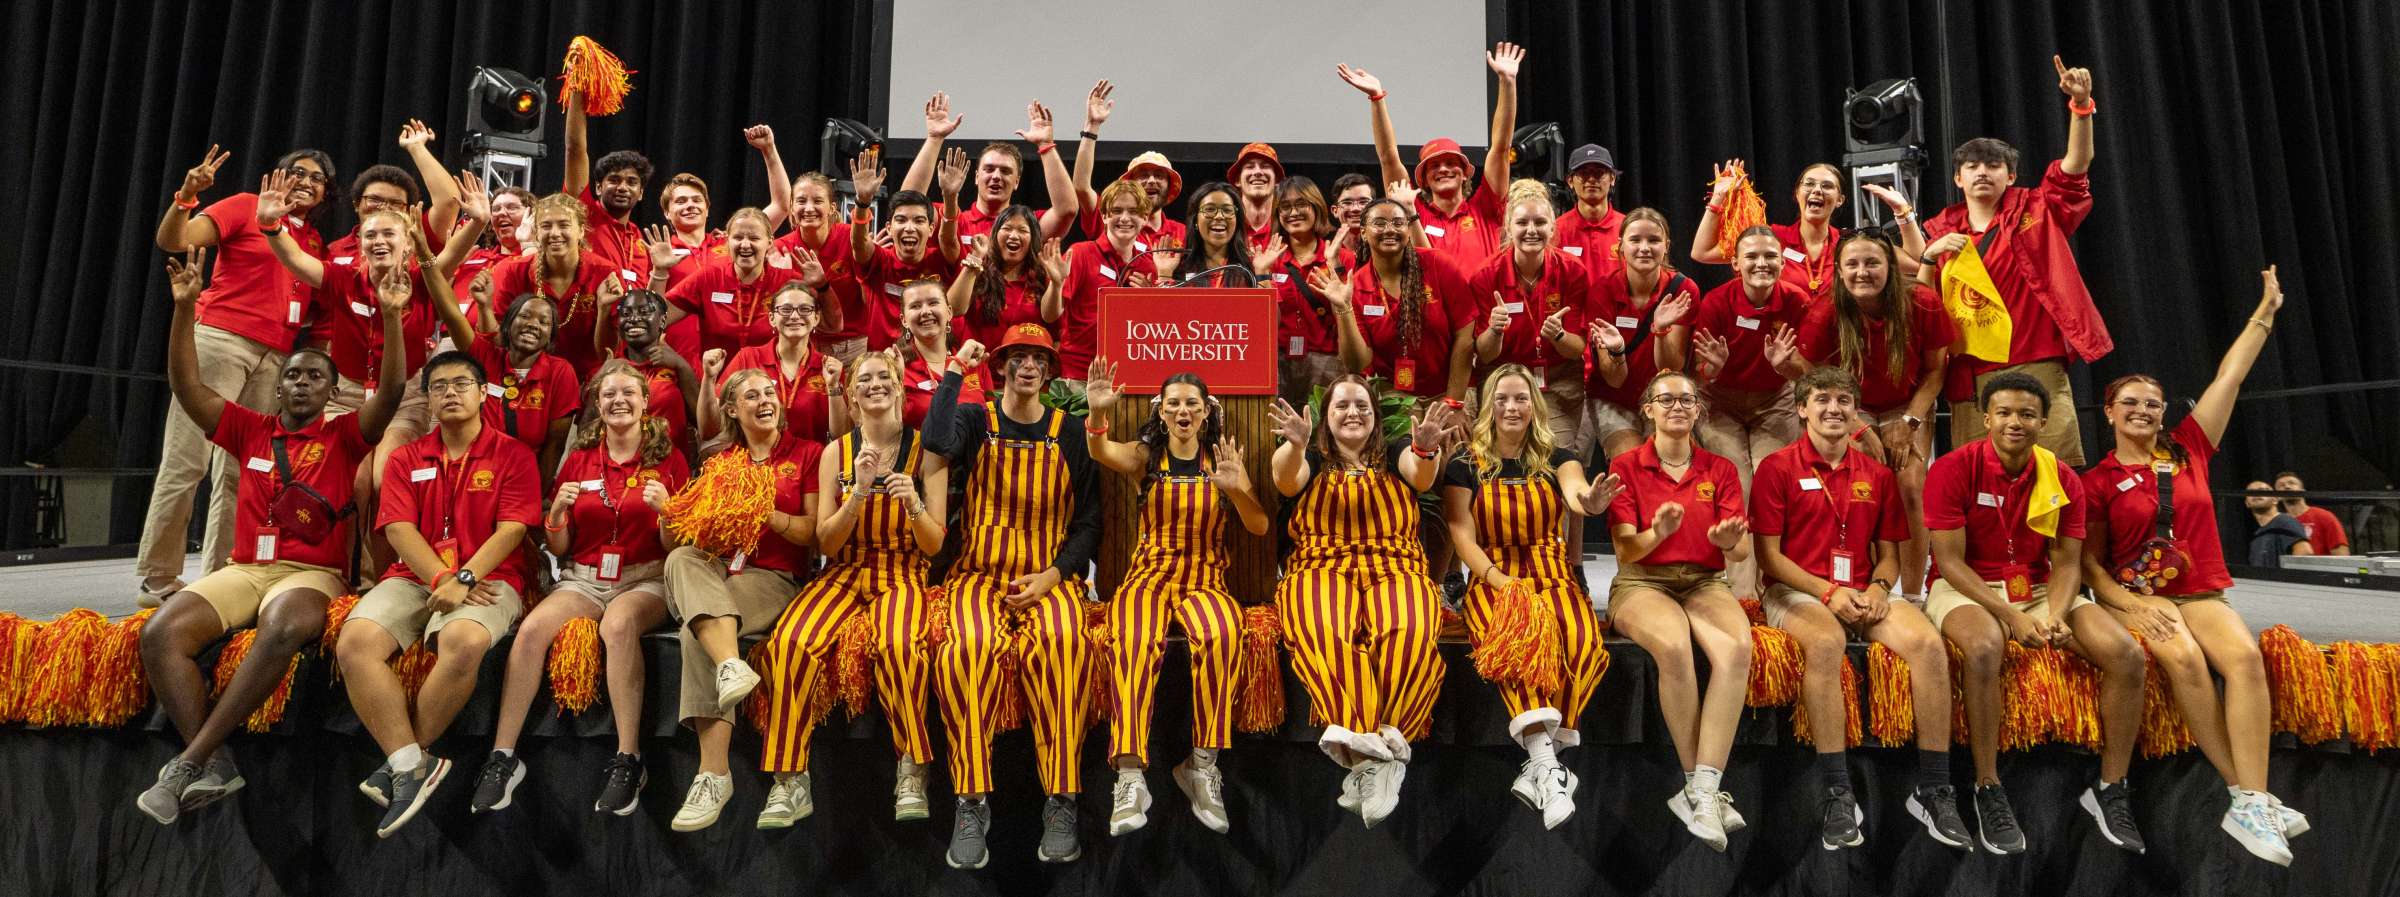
(1356, 202)
(1675, 401)
(1216, 212)
(1385, 223)
(380, 202)
(455, 386)
(308, 174)
(2133, 404)
(794, 312)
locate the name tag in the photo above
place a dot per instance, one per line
(1298, 348)
(1987, 499)
(966, 239)
(1745, 323)
(612, 566)
(1795, 255)
(1108, 272)
(343, 259)
(1514, 308)
(1576, 251)
(1625, 323)
(291, 314)
(1139, 246)
(629, 275)
(1810, 484)
(592, 485)
(680, 252)
(1841, 566)
(495, 390)
(2128, 483)
(893, 289)
(261, 465)
(1280, 278)
(362, 309)
(721, 298)
(1432, 231)
(475, 261)
(929, 385)
(741, 560)
(1372, 311)
(264, 550)
(422, 475)
(779, 262)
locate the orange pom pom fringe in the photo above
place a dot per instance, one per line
(2163, 728)
(229, 662)
(1100, 669)
(854, 661)
(18, 639)
(1774, 668)
(1453, 625)
(1891, 698)
(1260, 706)
(599, 75)
(2303, 702)
(575, 665)
(1009, 669)
(413, 665)
(336, 613)
(1743, 210)
(2365, 675)
(724, 509)
(1520, 644)
(63, 665)
(119, 687)
(937, 616)
(1756, 613)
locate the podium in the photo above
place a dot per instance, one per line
(1226, 335)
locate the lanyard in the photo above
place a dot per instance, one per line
(456, 485)
(608, 497)
(1841, 519)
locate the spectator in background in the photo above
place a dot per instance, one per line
(2324, 530)
(2277, 533)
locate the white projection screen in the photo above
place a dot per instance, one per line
(1223, 71)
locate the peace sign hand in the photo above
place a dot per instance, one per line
(198, 178)
(183, 277)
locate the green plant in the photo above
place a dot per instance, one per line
(1067, 400)
(1395, 411)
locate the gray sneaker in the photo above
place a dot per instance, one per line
(1059, 844)
(409, 792)
(378, 785)
(496, 784)
(218, 781)
(163, 800)
(967, 850)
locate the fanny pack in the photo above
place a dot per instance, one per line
(2158, 560)
(299, 510)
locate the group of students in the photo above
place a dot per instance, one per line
(487, 348)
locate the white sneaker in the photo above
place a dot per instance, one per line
(1205, 787)
(1732, 817)
(908, 794)
(735, 680)
(1379, 789)
(1349, 799)
(1558, 796)
(149, 597)
(2254, 823)
(1129, 807)
(788, 801)
(2294, 824)
(1702, 813)
(702, 804)
(1527, 787)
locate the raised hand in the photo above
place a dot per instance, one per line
(1358, 78)
(1711, 352)
(393, 289)
(480, 289)
(778, 259)
(414, 224)
(473, 200)
(183, 277)
(1404, 193)
(2270, 298)
(1889, 197)
(712, 362)
(1427, 434)
(1231, 473)
(659, 241)
(274, 197)
(1667, 519)
(1291, 425)
(1332, 251)
(1505, 59)
(1603, 492)
(833, 374)
(1263, 261)
(939, 123)
(1671, 311)
(812, 269)
(866, 173)
(1097, 105)
(978, 248)
(1498, 322)
(1166, 256)
(1729, 532)
(1334, 287)
(1100, 387)
(1037, 124)
(415, 135)
(1728, 174)
(198, 178)
(2076, 82)
(1606, 336)
(760, 137)
(611, 289)
(952, 174)
(970, 355)
(1780, 345)
(1054, 261)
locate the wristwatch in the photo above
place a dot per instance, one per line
(1914, 422)
(465, 577)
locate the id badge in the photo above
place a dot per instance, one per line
(448, 549)
(741, 560)
(267, 538)
(1404, 375)
(612, 564)
(2017, 579)
(1843, 563)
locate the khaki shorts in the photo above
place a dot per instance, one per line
(413, 419)
(398, 604)
(1603, 419)
(1944, 598)
(1569, 428)
(1780, 598)
(1680, 581)
(847, 350)
(584, 580)
(240, 592)
(1746, 426)
(2061, 434)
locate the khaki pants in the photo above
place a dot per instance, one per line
(1745, 427)
(697, 586)
(244, 372)
(2061, 433)
(1943, 598)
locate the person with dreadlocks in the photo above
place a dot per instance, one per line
(1191, 476)
(1536, 637)
(602, 524)
(1008, 278)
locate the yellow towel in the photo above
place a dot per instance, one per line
(2049, 498)
(1974, 302)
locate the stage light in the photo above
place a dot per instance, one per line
(1883, 127)
(506, 114)
(842, 140)
(1540, 141)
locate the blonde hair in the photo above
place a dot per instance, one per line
(1524, 190)
(890, 356)
(683, 179)
(1121, 187)
(655, 445)
(1483, 446)
(556, 203)
(753, 214)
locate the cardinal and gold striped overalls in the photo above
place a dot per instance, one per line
(1359, 615)
(1517, 523)
(1177, 573)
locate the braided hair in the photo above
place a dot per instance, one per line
(1412, 287)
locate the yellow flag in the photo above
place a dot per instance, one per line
(1974, 302)
(2049, 497)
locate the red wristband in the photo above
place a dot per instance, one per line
(1830, 588)
(1045, 148)
(187, 204)
(1378, 97)
(2085, 109)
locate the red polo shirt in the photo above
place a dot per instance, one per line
(478, 261)
(2050, 311)
(1164, 231)
(2324, 530)
(1564, 283)
(1711, 491)
(1968, 489)
(922, 380)
(1611, 300)
(1090, 267)
(733, 315)
(619, 243)
(1815, 274)
(841, 281)
(684, 336)
(324, 456)
(795, 465)
(1379, 320)
(804, 396)
(1472, 234)
(1818, 508)
(1020, 303)
(974, 221)
(466, 499)
(2128, 497)
(578, 310)
(544, 393)
(1594, 243)
(609, 513)
(251, 294)
(882, 278)
(1302, 315)
(1726, 311)
(666, 401)
(346, 301)
(1879, 392)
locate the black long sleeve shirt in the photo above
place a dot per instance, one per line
(957, 432)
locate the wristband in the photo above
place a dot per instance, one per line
(1885, 583)
(1089, 430)
(269, 232)
(186, 204)
(2084, 109)
(1830, 588)
(1089, 135)
(1046, 148)
(1378, 97)
(1425, 453)
(1905, 214)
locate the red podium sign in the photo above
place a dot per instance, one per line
(1225, 335)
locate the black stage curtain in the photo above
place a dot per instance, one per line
(68, 826)
(2231, 135)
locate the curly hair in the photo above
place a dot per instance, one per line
(588, 432)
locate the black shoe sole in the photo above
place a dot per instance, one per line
(441, 770)
(639, 782)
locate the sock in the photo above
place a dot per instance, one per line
(505, 752)
(963, 801)
(1933, 768)
(1540, 747)
(1203, 758)
(908, 766)
(1126, 773)
(406, 759)
(1832, 771)
(1705, 778)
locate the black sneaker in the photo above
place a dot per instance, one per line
(967, 848)
(1997, 821)
(2112, 807)
(409, 792)
(1059, 843)
(497, 783)
(1454, 588)
(1839, 818)
(621, 785)
(1937, 808)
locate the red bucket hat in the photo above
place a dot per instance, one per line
(1261, 150)
(1435, 149)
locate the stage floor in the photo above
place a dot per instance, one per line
(2322, 613)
